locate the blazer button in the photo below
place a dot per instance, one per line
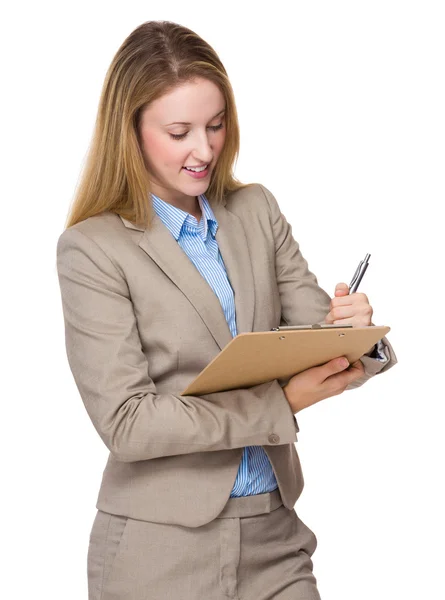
(274, 438)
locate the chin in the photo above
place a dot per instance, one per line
(198, 185)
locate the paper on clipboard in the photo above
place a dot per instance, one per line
(256, 357)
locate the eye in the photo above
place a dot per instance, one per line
(181, 136)
(177, 136)
(216, 127)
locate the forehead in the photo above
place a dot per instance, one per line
(192, 102)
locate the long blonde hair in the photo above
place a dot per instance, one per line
(155, 58)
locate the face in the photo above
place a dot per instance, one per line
(185, 127)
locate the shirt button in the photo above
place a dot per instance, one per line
(274, 438)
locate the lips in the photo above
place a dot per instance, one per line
(197, 174)
(197, 167)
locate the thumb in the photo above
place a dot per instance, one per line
(341, 289)
(334, 366)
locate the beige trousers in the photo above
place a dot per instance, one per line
(256, 549)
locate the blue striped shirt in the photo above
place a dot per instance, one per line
(255, 474)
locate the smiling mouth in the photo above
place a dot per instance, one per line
(200, 168)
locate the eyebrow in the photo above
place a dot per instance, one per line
(184, 123)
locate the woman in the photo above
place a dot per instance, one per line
(166, 257)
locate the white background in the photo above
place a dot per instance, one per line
(341, 108)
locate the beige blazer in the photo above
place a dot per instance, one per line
(141, 323)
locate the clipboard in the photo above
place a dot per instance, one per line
(260, 356)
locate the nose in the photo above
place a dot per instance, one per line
(203, 152)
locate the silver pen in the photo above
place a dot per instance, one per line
(358, 275)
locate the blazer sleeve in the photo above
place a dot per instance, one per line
(303, 301)
(110, 370)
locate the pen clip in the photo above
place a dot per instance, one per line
(356, 274)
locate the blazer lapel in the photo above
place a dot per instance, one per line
(234, 249)
(162, 247)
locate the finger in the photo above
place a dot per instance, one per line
(343, 312)
(355, 321)
(355, 300)
(333, 366)
(358, 365)
(339, 301)
(343, 300)
(338, 382)
(357, 369)
(341, 289)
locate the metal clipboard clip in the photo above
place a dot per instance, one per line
(314, 326)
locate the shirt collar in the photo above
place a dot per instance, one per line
(175, 218)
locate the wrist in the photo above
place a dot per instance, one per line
(291, 399)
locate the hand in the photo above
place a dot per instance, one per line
(345, 308)
(315, 384)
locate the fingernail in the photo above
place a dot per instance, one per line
(344, 362)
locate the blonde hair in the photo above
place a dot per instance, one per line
(155, 58)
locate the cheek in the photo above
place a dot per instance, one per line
(220, 142)
(159, 150)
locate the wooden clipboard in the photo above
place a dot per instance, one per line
(253, 358)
